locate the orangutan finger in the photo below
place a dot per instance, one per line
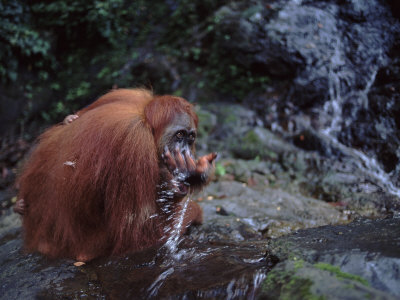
(190, 163)
(70, 118)
(210, 157)
(169, 160)
(202, 165)
(180, 162)
(19, 207)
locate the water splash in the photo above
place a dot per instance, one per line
(155, 286)
(258, 278)
(334, 106)
(175, 212)
(239, 288)
(175, 229)
(175, 258)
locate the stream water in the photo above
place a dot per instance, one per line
(223, 271)
(204, 271)
(181, 269)
(189, 270)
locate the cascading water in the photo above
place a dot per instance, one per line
(336, 51)
(334, 109)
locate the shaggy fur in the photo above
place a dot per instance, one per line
(90, 187)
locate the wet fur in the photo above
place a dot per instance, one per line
(90, 187)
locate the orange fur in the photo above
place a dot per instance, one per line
(90, 186)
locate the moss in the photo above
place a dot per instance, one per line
(207, 122)
(251, 137)
(298, 264)
(250, 146)
(285, 285)
(299, 288)
(340, 274)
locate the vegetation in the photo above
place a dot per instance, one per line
(285, 285)
(59, 55)
(296, 280)
(340, 274)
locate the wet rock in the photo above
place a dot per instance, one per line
(261, 212)
(10, 224)
(306, 41)
(234, 130)
(318, 167)
(366, 248)
(335, 63)
(24, 276)
(383, 107)
(296, 279)
(194, 271)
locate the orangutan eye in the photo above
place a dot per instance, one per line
(192, 136)
(180, 135)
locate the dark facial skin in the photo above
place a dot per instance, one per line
(178, 142)
(181, 133)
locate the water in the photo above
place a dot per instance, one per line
(175, 221)
(220, 271)
(155, 286)
(333, 111)
(343, 88)
(173, 254)
(368, 165)
(200, 271)
(175, 229)
(340, 62)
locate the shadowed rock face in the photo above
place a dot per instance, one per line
(333, 67)
(311, 41)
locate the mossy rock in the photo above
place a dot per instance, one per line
(297, 279)
(207, 122)
(251, 146)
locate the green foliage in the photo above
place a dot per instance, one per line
(74, 47)
(22, 41)
(219, 170)
(195, 32)
(63, 54)
(80, 91)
